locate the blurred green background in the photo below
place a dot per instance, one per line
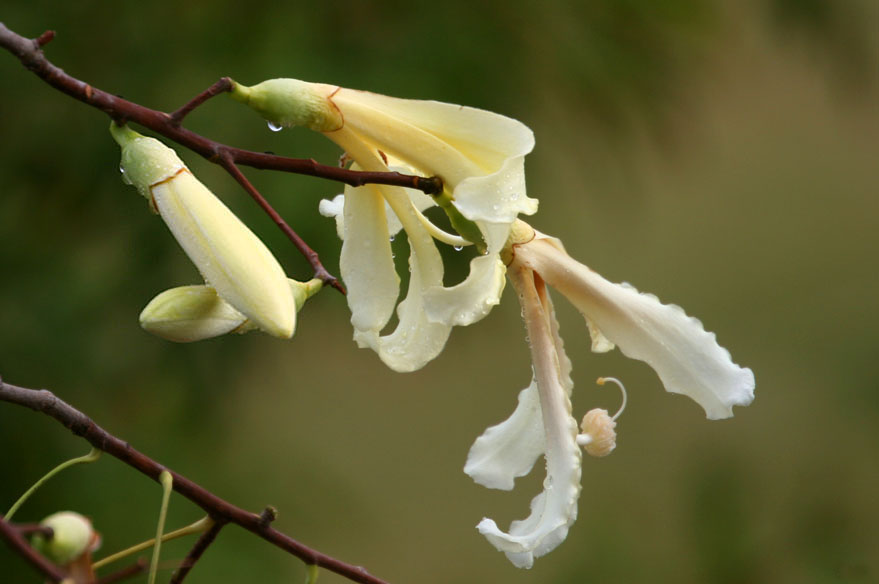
(722, 155)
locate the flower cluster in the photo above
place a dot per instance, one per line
(479, 156)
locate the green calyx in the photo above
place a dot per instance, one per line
(290, 102)
(302, 291)
(145, 160)
(465, 227)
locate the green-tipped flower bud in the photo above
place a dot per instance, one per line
(190, 313)
(290, 102)
(231, 258)
(145, 161)
(72, 536)
(194, 313)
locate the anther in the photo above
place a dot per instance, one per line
(599, 437)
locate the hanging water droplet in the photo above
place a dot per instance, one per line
(275, 127)
(392, 238)
(458, 247)
(125, 178)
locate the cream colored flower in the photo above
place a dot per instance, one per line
(687, 359)
(480, 157)
(232, 260)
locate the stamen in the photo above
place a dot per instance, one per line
(439, 234)
(602, 381)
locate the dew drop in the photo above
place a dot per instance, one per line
(275, 127)
(392, 238)
(458, 247)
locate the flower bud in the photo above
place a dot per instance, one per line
(72, 536)
(290, 102)
(190, 313)
(194, 313)
(229, 256)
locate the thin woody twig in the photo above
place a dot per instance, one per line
(16, 541)
(221, 86)
(134, 569)
(45, 402)
(30, 54)
(31, 528)
(226, 161)
(205, 540)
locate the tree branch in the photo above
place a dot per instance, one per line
(226, 161)
(30, 53)
(17, 542)
(205, 540)
(45, 402)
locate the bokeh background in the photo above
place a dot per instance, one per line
(722, 155)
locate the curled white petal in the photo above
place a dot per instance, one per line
(687, 359)
(472, 299)
(415, 341)
(509, 450)
(498, 197)
(555, 509)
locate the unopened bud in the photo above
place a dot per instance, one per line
(72, 536)
(290, 102)
(194, 313)
(230, 257)
(190, 313)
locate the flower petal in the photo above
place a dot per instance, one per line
(415, 341)
(509, 450)
(687, 359)
(472, 299)
(366, 262)
(498, 197)
(334, 208)
(485, 137)
(555, 509)
(479, 154)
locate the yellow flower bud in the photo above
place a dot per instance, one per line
(229, 256)
(193, 313)
(190, 313)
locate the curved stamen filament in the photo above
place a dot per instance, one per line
(602, 381)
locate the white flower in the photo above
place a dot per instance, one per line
(479, 156)
(687, 359)
(229, 256)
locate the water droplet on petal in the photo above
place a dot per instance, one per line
(458, 247)
(392, 237)
(275, 127)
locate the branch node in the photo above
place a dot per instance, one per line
(268, 515)
(45, 38)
